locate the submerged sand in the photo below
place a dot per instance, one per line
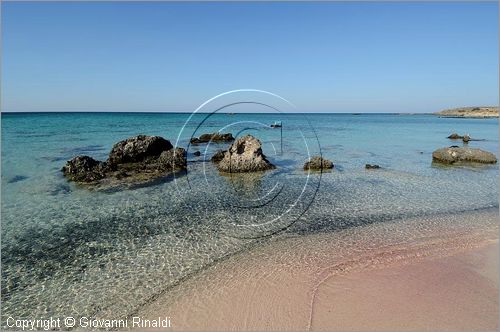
(430, 273)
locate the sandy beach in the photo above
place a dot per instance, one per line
(459, 292)
(435, 273)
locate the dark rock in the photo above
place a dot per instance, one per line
(135, 160)
(167, 161)
(453, 155)
(84, 169)
(244, 155)
(173, 159)
(197, 153)
(218, 156)
(138, 148)
(120, 175)
(372, 166)
(455, 136)
(318, 163)
(465, 138)
(214, 137)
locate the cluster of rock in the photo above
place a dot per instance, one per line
(136, 159)
(465, 138)
(214, 137)
(142, 158)
(455, 154)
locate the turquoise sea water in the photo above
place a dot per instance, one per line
(69, 251)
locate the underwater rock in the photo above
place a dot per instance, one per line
(318, 163)
(244, 155)
(59, 189)
(214, 137)
(455, 154)
(134, 160)
(17, 178)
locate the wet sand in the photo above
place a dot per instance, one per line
(438, 273)
(458, 293)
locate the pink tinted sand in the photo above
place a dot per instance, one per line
(429, 281)
(457, 293)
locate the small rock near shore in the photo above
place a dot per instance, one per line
(372, 166)
(318, 163)
(455, 136)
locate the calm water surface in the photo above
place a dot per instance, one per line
(68, 251)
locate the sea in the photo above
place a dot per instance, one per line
(70, 250)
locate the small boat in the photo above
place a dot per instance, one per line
(276, 124)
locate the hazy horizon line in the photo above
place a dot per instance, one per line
(191, 112)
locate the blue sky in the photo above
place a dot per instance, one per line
(323, 56)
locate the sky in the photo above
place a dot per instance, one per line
(322, 56)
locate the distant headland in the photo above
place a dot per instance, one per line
(470, 112)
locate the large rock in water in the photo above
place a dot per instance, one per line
(244, 155)
(318, 163)
(138, 148)
(137, 159)
(455, 154)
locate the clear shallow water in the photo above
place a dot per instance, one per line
(70, 251)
